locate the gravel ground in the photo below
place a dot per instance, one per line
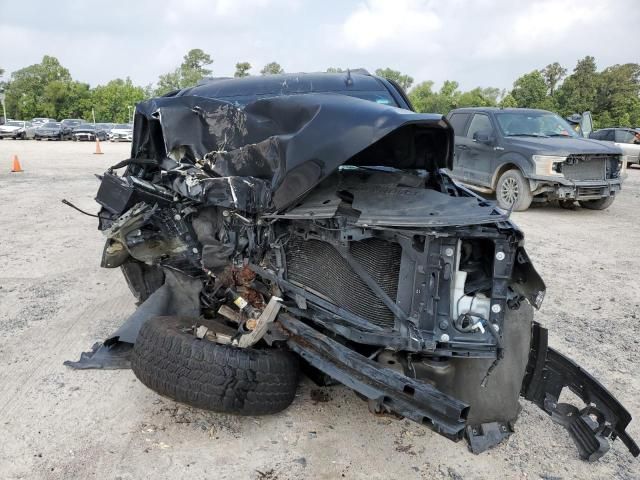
(55, 302)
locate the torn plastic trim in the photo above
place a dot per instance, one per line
(602, 420)
(415, 400)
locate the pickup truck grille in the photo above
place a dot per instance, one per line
(586, 167)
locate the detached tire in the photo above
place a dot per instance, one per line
(599, 204)
(513, 189)
(170, 360)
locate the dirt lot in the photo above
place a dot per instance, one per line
(55, 302)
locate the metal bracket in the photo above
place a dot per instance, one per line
(267, 317)
(486, 435)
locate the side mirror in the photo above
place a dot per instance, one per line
(484, 136)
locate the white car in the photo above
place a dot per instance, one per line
(17, 129)
(627, 139)
(122, 132)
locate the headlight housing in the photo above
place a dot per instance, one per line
(547, 165)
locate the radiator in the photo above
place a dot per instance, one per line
(585, 167)
(318, 267)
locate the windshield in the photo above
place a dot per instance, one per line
(51, 125)
(86, 126)
(533, 124)
(15, 124)
(377, 96)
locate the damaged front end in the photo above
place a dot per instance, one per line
(325, 225)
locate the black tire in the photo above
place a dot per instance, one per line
(599, 204)
(203, 374)
(513, 189)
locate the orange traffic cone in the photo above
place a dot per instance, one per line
(98, 151)
(16, 168)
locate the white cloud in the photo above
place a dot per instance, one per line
(544, 24)
(382, 23)
(476, 42)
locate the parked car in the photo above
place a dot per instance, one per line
(627, 139)
(39, 121)
(72, 123)
(522, 154)
(17, 129)
(122, 132)
(88, 131)
(52, 131)
(309, 226)
(105, 126)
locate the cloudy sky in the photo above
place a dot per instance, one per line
(476, 42)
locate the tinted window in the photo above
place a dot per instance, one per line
(598, 135)
(625, 136)
(458, 121)
(479, 123)
(533, 124)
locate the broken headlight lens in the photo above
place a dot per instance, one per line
(548, 165)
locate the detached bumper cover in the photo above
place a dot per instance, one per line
(603, 418)
(392, 391)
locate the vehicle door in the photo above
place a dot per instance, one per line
(458, 121)
(586, 124)
(477, 149)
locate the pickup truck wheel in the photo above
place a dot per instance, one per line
(599, 204)
(169, 359)
(513, 189)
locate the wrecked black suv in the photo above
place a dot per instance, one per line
(269, 224)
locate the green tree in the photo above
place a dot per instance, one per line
(335, 70)
(508, 101)
(112, 101)
(189, 73)
(618, 96)
(579, 90)
(421, 96)
(479, 97)
(272, 68)
(424, 99)
(193, 67)
(242, 69)
(66, 99)
(530, 91)
(553, 74)
(26, 88)
(405, 81)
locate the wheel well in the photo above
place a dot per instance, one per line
(498, 173)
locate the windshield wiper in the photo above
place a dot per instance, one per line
(538, 135)
(559, 135)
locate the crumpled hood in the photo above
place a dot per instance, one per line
(289, 143)
(562, 146)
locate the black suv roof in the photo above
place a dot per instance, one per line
(292, 83)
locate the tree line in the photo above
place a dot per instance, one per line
(612, 95)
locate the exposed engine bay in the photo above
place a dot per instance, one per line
(327, 226)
